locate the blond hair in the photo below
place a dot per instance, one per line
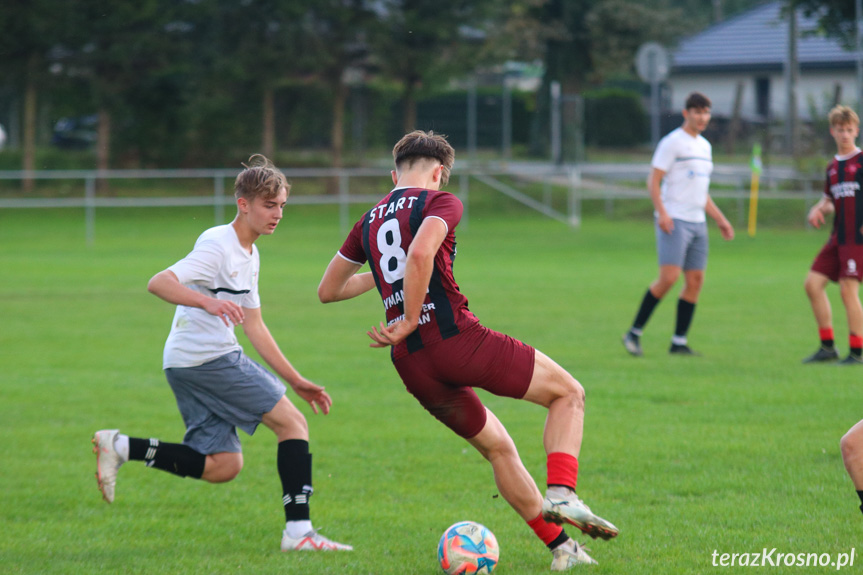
(260, 179)
(842, 115)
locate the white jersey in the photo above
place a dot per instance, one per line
(218, 267)
(687, 162)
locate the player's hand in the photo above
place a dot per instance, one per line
(390, 335)
(726, 229)
(816, 217)
(314, 394)
(666, 224)
(227, 311)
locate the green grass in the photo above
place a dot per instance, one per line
(735, 451)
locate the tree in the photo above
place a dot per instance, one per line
(252, 47)
(835, 17)
(418, 41)
(335, 35)
(29, 29)
(618, 28)
(121, 47)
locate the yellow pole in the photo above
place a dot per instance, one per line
(753, 204)
(753, 189)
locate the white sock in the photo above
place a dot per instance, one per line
(121, 446)
(296, 529)
(559, 491)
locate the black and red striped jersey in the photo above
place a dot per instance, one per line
(382, 238)
(843, 186)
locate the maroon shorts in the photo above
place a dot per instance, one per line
(441, 376)
(835, 261)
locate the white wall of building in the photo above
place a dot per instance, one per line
(721, 89)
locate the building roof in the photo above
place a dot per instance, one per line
(758, 40)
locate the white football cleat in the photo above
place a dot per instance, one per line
(568, 508)
(312, 541)
(108, 461)
(569, 554)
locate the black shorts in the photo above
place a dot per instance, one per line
(441, 376)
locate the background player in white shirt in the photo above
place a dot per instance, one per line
(682, 164)
(218, 388)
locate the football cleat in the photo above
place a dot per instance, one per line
(682, 349)
(823, 354)
(108, 461)
(851, 360)
(569, 554)
(557, 508)
(632, 344)
(312, 541)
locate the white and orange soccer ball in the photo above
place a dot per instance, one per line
(468, 548)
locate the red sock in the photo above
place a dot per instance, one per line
(855, 342)
(562, 469)
(826, 334)
(546, 531)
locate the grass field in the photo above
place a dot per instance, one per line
(735, 451)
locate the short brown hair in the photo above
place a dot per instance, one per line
(419, 145)
(260, 179)
(841, 115)
(698, 101)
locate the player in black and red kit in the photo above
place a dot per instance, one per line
(441, 351)
(841, 259)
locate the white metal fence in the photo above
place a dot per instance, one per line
(609, 182)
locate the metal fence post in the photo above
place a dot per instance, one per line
(463, 192)
(219, 199)
(90, 209)
(344, 197)
(574, 200)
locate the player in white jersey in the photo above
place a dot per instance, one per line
(678, 184)
(217, 387)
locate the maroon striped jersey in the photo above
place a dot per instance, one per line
(843, 187)
(382, 238)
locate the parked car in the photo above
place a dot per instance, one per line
(75, 133)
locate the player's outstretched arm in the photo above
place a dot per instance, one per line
(341, 281)
(167, 286)
(262, 340)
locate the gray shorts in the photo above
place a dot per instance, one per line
(685, 247)
(221, 395)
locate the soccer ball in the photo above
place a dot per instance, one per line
(467, 548)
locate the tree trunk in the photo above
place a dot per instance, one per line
(337, 135)
(103, 147)
(734, 125)
(268, 145)
(29, 141)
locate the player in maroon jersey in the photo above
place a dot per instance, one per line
(441, 351)
(841, 259)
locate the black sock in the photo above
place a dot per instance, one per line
(648, 304)
(295, 470)
(559, 540)
(685, 311)
(174, 458)
(860, 495)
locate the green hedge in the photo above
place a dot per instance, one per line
(615, 118)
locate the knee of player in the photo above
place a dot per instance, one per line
(850, 445)
(574, 392)
(811, 286)
(226, 470)
(850, 292)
